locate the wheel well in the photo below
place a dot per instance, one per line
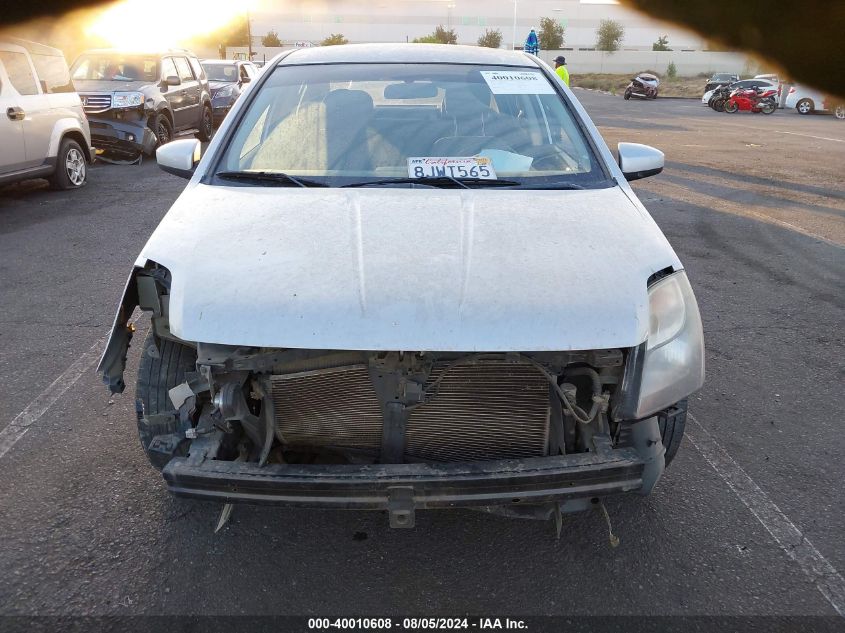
(808, 100)
(167, 114)
(79, 138)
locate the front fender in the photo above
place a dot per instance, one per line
(113, 362)
(62, 127)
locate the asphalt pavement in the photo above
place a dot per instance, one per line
(748, 520)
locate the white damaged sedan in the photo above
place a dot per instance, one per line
(406, 277)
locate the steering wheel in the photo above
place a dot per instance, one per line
(554, 159)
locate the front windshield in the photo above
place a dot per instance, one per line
(116, 67)
(221, 72)
(339, 124)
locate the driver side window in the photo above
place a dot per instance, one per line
(168, 68)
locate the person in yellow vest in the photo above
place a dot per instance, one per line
(560, 69)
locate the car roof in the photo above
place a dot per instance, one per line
(408, 54)
(224, 61)
(33, 47)
(152, 53)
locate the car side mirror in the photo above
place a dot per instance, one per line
(640, 161)
(172, 80)
(180, 157)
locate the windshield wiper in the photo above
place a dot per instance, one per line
(554, 185)
(437, 181)
(275, 178)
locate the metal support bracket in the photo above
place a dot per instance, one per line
(400, 506)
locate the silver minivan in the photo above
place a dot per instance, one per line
(43, 130)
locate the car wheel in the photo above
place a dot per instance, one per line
(839, 112)
(672, 425)
(805, 106)
(71, 168)
(206, 125)
(163, 130)
(161, 368)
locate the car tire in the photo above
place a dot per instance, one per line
(839, 112)
(162, 367)
(805, 106)
(71, 166)
(672, 424)
(163, 129)
(206, 125)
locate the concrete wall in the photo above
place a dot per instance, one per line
(403, 20)
(688, 63)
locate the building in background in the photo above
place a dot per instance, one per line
(403, 20)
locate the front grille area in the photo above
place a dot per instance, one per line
(95, 103)
(480, 411)
(329, 407)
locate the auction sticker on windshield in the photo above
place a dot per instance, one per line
(451, 167)
(517, 82)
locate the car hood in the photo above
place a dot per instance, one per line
(216, 85)
(91, 85)
(409, 269)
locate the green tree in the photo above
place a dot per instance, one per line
(609, 35)
(335, 39)
(662, 44)
(551, 34)
(671, 70)
(271, 39)
(440, 36)
(492, 38)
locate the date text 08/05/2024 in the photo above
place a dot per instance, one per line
(416, 624)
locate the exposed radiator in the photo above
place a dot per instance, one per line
(328, 407)
(481, 411)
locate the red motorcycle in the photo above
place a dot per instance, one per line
(752, 100)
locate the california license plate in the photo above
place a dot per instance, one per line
(451, 167)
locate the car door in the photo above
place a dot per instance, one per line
(31, 108)
(190, 114)
(173, 94)
(12, 149)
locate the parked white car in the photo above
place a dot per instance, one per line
(44, 130)
(418, 284)
(806, 101)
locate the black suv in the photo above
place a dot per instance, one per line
(138, 101)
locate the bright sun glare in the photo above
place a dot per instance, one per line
(151, 24)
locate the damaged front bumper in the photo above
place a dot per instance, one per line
(128, 138)
(401, 489)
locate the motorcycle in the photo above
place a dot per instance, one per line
(719, 97)
(643, 85)
(752, 100)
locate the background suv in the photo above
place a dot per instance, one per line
(227, 79)
(43, 130)
(138, 101)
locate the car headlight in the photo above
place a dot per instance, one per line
(226, 91)
(127, 100)
(673, 366)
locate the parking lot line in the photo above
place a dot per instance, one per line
(24, 420)
(821, 138)
(790, 539)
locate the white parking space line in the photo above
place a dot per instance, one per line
(821, 138)
(790, 539)
(24, 420)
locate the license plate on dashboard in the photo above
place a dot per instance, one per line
(451, 167)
